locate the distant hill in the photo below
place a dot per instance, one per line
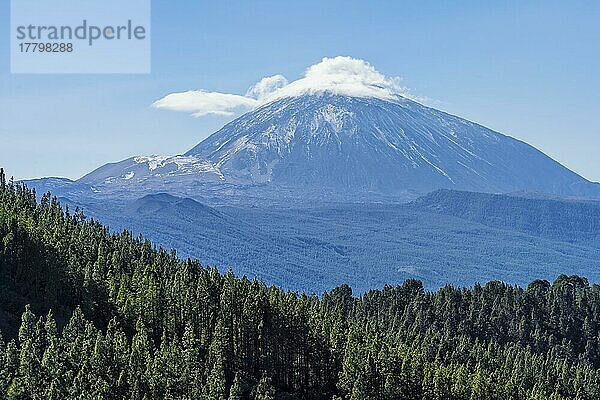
(568, 220)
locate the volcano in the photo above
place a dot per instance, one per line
(353, 145)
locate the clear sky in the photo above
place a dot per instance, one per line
(528, 69)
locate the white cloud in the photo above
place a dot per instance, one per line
(267, 86)
(343, 75)
(340, 75)
(201, 103)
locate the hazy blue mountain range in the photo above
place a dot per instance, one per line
(364, 245)
(312, 191)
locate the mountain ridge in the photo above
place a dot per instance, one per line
(349, 145)
(569, 220)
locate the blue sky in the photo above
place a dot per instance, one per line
(524, 68)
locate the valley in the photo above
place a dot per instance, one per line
(316, 248)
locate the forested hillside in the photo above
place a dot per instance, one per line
(569, 220)
(317, 248)
(112, 317)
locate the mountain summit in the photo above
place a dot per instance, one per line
(354, 145)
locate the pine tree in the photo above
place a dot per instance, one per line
(215, 388)
(52, 362)
(30, 379)
(264, 390)
(193, 368)
(236, 392)
(5, 373)
(139, 361)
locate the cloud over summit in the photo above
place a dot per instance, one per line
(340, 75)
(267, 86)
(343, 75)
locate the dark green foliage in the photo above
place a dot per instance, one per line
(130, 321)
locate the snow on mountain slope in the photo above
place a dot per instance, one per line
(153, 169)
(369, 144)
(326, 142)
